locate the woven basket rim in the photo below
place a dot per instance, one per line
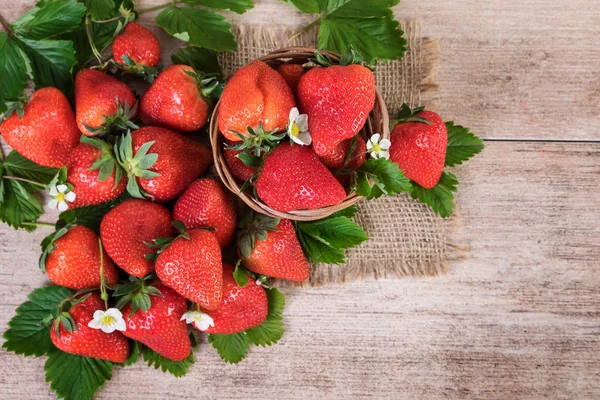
(378, 118)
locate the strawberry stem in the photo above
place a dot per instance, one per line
(17, 178)
(103, 293)
(88, 31)
(306, 28)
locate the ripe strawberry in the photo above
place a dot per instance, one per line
(72, 259)
(338, 100)
(45, 131)
(240, 171)
(241, 308)
(292, 74)
(206, 204)
(279, 255)
(86, 341)
(102, 103)
(126, 228)
(87, 183)
(293, 178)
(255, 94)
(180, 161)
(176, 100)
(160, 327)
(139, 44)
(335, 159)
(191, 265)
(419, 148)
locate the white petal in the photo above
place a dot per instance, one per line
(302, 122)
(296, 139)
(189, 316)
(375, 138)
(95, 324)
(374, 155)
(63, 206)
(259, 282)
(120, 325)
(62, 188)
(384, 154)
(369, 145)
(108, 328)
(294, 113)
(305, 138)
(53, 203)
(385, 144)
(70, 197)
(114, 312)
(204, 322)
(53, 191)
(98, 314)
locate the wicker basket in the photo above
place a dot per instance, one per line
(378, 121)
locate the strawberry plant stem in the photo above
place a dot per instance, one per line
(5, 25)
(38, 224)
(306, 28)
(106, 21)
(91, 40)
(103, 293)
(17, 178)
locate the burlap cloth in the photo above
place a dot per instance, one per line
(405, 237)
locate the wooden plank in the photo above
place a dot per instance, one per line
(518, 319)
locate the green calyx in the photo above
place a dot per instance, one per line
(119, 122)
(106, 164)
(63, 316)
(14, 105)
(137, 292)
(48, 245)
(131, 67)
(209, 85)
(406, 114)
(256, 142)
(137, 166)
(350, 56)
(253, 227)
(161, 244)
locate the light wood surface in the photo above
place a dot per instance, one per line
(519, 319)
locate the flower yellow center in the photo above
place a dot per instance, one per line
(60, 197)
(376, 148)
(295, 130)
(107, 320)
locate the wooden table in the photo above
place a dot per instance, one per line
(519, 318)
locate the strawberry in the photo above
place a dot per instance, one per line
(138, 44)
(71, 258)
(269, 246)
(241, 307)
(206, 204)
(175, 161)
(337, 158)
(255, 96)
(293, 178)
(419, 147)
(240, 171)
(126, 228)
(177, 100)
(102, 103)
(292, 74)
(159, 325)
(191, 265)
(45, 131)
(87, 183)
(86, 341)
(337, 100)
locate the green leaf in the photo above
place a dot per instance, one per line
(134, 353)
(76, 377)
(308, 6)
(17, 165)
(240, 276)
(386, 176)
(13, 70)
(50, 19)
(176, 368)
(89, 216)
(440, 197)
(201, 59)
(272, 329)
(19, 205)
(462, 144)
(238, 6)
(102, 34)
(349, 212)
(231, 348)
(100, 9)
(27, 333)
(200, 28)
(369, 27)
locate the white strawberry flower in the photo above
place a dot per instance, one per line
(61, 197)
(379, 149)
(201, 320)
(108, 321)
(297, 128)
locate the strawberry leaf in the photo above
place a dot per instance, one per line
(462, 144)
(237, 6)
(100, 9)
(202, 60)
(309, 6)
(19, 206)
(272, 329)
(231, 348)
(89, 216)
(76, 377)
(17, 165)
(49, 18)
(440, 197)
(29, 331)
(13, 69)
(176, 368)
(378, 177)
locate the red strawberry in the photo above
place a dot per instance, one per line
(255, 94)
(293, 178)
(161, 328)
(191, 266)
(102, 103)
(139, 44)
(73, 259)
(292, 74)
(279, 255)
(126, 228)
(87, 186)
(47, 132)
(338, 100)
(241, 308)
(335, 159)
(175, 101)
(206, 204)
(86, 341)
(180, 161)
(240, 171)
(420, 148)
